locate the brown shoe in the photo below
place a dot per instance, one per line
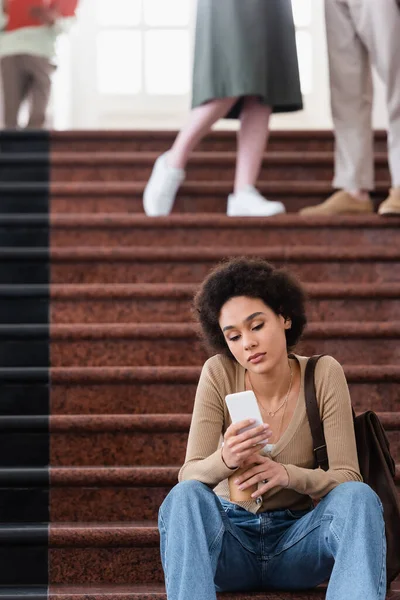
(340, 203)
(391, 206)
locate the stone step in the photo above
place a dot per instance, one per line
(111, 390)
(202, 166)
(218, 140)
(171, 344)
(193, 196)
(157, 592)
(161, 344)
(150, 591)
(113, 554)
(109, 493)
(102, 494)
(116, 553)
(154, 592)
(92, 265)
(115, 229)
(171, 303)
(210, 230)
(139, 440)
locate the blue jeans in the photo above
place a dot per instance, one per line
(209, 545)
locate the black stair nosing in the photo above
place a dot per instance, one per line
(24, 423)
(25, 374)
(24, 477)
(27, 534)
(28, 592)
(16, 290)
(26, 158)
(26, 253)
(25, 290)
(36, 134)
(25, 220)
(33, 187)
(23, 331)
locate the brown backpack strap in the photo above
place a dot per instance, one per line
(317, 430)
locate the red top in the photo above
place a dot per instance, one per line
(19, 11)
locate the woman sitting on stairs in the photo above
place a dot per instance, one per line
(251, 512)
(245, 67)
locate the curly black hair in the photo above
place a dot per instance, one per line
(254, 278)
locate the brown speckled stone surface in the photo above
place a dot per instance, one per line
(133, 271)
(128, 310)
(199, 196)
(105, 565)
(65, 200)
(104, 535)
(171, 303)
(124, 440)
(125, 358)
(173, 344)
(113, 476)
(158, 593)
(124, 230)
(137, 166)
(112, 352)
(155, 592)
(108, 449)
(106, 504)
(172, 390)
(119, 398)
(111, 494)
(160, 141)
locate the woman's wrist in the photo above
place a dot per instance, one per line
(223, 459)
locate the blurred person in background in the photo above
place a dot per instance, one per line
(361, 34)
(245, 67)
(28, 35)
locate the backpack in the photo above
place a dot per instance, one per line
(377, 466)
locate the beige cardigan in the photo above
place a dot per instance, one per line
(221, 376)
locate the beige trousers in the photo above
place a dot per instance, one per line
(361, 33)
(26, 76)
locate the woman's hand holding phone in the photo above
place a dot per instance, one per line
(239, 445)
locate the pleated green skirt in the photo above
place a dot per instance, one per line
(246, 48)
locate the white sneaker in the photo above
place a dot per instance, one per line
(249, 203)
(161, 189)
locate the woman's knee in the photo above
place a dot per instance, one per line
(356, 493)
(185, 492)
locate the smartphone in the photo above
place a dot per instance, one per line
(242, 406)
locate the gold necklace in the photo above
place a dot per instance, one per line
(271, 413)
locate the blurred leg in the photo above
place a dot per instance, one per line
(40, 70)
(351, 99)
(13, 89)
(168, 172)
(201, 119)
(252, 140)
(378, 24)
